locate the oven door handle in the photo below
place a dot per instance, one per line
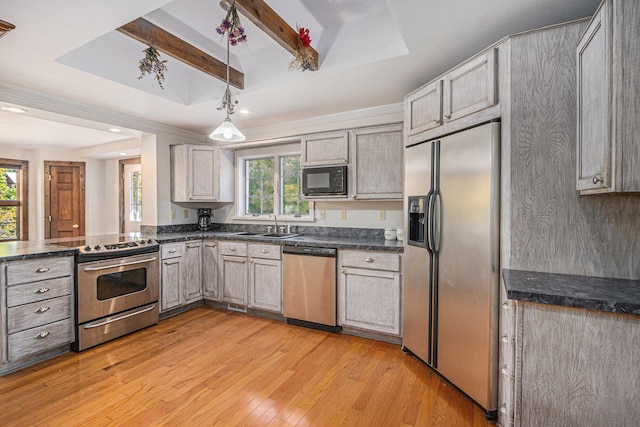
(106, 322)
(106, 267)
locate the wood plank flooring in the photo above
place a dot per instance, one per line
(209, 367)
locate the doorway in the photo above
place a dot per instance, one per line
(64, 199)
(130, 195)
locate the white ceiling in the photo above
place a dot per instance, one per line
(372, 53)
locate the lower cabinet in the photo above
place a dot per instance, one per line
(181, 276)
(210, 270)
(233, 272)
(369, 289)
(571, 366)
(37, 309)
(265, 277)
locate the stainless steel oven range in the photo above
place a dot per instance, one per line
(117, 287)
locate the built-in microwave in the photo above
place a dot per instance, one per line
(325, 181)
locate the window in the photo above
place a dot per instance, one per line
(13, 199)
(271, 183)
(135, 196)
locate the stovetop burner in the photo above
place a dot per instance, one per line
(94, 248)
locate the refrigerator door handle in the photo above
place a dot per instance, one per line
(429, 225)
(436, 221)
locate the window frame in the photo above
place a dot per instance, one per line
(22, 196)
(276, 152)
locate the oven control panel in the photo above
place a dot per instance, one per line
(97, 250)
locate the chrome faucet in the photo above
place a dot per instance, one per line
(275, 219)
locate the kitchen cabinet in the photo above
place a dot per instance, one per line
(233, 272)
(377, 163)
(572, 366)
(210, 270)
(369, 289)
(328, 148)
(193, 272)
(37, 314)
(202, 173)
(172, 276)
(181, 274)
(460, 98)
(608, 69)
(265, 277)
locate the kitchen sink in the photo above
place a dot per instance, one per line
(280, 235)
(245, 233)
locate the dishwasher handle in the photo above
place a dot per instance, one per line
(309, 251)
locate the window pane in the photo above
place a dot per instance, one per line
(9, 183)
(135, 198)
(8, 223)
(260, 186)
(291, 202)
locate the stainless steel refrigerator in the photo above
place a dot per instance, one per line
(451, 258)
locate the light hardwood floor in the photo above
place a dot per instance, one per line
(208, 367)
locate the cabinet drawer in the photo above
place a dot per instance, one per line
(233, 248)
(172, 251)
(40, 339)
(39, 291)
(370, 260)
(38, 313)
(38, 269)
(265, 251)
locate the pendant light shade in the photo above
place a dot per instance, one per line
(227, 132)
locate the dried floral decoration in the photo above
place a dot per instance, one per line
(231, 25)
(303, 59)
(151, 64)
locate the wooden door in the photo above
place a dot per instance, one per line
(64, 199)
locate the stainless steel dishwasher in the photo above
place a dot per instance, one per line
(310, 287)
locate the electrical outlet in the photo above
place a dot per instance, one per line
(343, 214)
(185, 213)
(382, 215)
(322, 214)
(173, 214)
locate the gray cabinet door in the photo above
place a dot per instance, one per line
(265, 279)
(193, 272)
(377, 167)
(233, 275)
(423, 109)
(331, 148)
(171, 283)
(594, 104)
(210, 270)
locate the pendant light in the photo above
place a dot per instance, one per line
(227, 131)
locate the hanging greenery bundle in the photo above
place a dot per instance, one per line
(231, 25)
(151, 64)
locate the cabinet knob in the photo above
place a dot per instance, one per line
(41, 335)
(265, 251)
(172, 251)
(436, 122)
(42, 309)
(447, 117)
(232, 249)
(354, 197)
(597, 179)
(368, 259)
(42, 270)
(41, 290)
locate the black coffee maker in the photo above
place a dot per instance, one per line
(204, 219)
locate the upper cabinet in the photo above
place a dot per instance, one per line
(377, 167)
(608, 69)
(460, 98)
(328, 148)
(201, 173)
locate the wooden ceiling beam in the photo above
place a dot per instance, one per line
(5, 27)
(258, 12)
(165, 42)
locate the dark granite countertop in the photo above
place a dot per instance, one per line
(12, 251)
(594, 293)
(364, 243)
